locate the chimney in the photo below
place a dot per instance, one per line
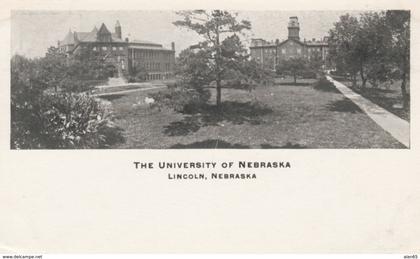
(126, 39)
(118, 30)
(173, 46)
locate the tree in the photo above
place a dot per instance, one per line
(221, 49)
(376, 45)
(399, 24)
(376, 38)
(347, 49)
(292, 66)
(53, 68)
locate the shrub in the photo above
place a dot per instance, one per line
(181, 99)
(323, 84)
(63, 121)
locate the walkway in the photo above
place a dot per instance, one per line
(397, 127)
(127, 91)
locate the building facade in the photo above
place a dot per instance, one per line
(270, 54)
(126, 56)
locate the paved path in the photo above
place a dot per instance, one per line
(128, 91)
(394, 125)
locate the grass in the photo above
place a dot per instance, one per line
(279, 116)
(385, 96)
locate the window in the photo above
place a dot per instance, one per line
(283, 51)
(299, 50)
(104, 48)
(94, 48)
(121, 48)
(114, 48)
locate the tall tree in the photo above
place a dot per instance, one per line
(399, 24)
(375, 40)
(345, 48)
(221, 47)
(53, 67)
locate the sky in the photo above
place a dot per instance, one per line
(32, 32)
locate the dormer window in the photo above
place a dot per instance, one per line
(94, 49)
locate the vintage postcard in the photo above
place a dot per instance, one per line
(227, 127)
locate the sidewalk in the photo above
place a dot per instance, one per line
(128, 91)
(394, 125)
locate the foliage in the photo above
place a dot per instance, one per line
(374, 46)
(62, 120)
(180, 99)
(54, 120)
(77, 73)
(293, 66)
(138, 74)
(221, 50)
(398, 22)
(323, 84)
(343, 45)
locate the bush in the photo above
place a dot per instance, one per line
(63, 121)
(323, 84)
(309, 75)
(181, 99)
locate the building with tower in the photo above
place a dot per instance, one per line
(269, 54)
(128, 56)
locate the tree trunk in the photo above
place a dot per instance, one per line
(404, 69)
(404, 90)
(218, 71)
(354, 79)
(294, 78)
(218, 93)
(362, 75)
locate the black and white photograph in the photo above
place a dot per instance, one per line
(240, 128)
(208, 79)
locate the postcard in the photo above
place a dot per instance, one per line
(179, 127)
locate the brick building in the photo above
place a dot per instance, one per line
(127, 56)
(269, 54)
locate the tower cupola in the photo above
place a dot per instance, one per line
(118, 29)
(293, 28)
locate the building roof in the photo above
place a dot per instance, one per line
(306, 43)
(91, 36)
(148, 47)
(103, 29)
(69, 39)
(316, 43)
(74, 38)
(145, 42)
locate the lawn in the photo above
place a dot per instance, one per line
(387, 96)
(277, 116)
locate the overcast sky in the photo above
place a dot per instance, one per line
(34, 31)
